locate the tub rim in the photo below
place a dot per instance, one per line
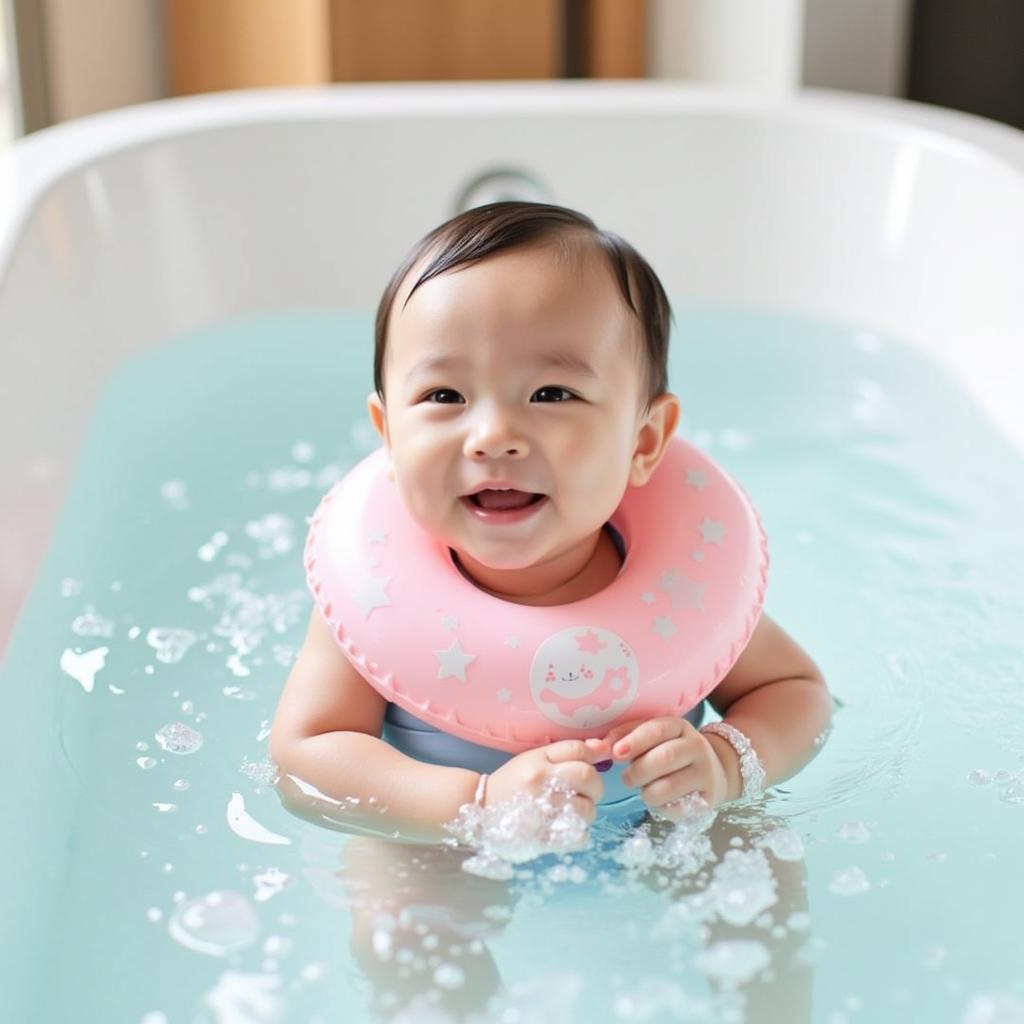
(36, 163)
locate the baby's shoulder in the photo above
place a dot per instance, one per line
(325, 692)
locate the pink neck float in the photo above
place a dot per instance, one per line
(654, 642)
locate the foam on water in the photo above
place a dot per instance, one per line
(243, 998)
(733, 961)
(513, 831)
(784, 843)
(855, 832)
(849, 882)
(244, 825)
(742, 887)
(84, 665)
(179, 738)
(171, 645)
(683, 850)
(91, 623)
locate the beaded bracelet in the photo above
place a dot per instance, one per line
(751, 770)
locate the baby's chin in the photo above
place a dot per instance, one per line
(491, 562)
(518, 564)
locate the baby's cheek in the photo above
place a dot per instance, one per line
(421, 503)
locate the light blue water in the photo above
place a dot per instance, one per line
(894, 512)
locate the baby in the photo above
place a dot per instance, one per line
(518, 343)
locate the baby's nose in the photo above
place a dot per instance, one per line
(494, 436)
(494, 451)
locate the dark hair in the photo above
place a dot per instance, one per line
(499, 227)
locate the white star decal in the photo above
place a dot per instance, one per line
(687, 593)
(698, 555)
(647, 598)
(451, 622)
(668, 579)
(370, 594)
(697, 478)
(453, 662)
(504, 696)
(664, 626)
(712, 531)
(512, 641)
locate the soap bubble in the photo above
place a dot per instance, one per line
(518, 830)
(994, 1008)
(784, 843)
(652, 1000)
(854, 832)
(269, 883)
(734, 961)
(274, 533)
(636, 851)
(303, 451)
(849, 882)
(250, 998)
(170, 644)
(692, 811)
(742, 886)
(91, 623)
(178, 738)
(449, 976)
(683, 850)
(217, 924)
(1013, 793)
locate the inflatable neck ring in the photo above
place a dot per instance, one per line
(654, 642)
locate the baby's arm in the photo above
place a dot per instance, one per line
(774, 694)
(326, 733)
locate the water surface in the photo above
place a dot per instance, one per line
(152, 876)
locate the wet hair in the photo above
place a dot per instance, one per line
(500, 227)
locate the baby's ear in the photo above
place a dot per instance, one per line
(378, 417)
(655, 432)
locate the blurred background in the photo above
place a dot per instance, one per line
(62, 59)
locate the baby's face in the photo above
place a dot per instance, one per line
(516, 372)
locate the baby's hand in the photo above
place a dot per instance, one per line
(571, 761)
(668, 759)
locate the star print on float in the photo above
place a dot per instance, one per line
(583, 677)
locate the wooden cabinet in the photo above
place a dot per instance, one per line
(235, 44)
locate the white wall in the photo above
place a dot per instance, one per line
(775, 45)
(756, 45)
(857, 45)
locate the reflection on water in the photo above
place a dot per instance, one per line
(154, 871)
(428, 934)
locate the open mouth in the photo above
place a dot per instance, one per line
(503, 501)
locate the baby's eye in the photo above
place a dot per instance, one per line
(551, 393)
(444, 396)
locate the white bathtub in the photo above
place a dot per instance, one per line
(122, 230)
